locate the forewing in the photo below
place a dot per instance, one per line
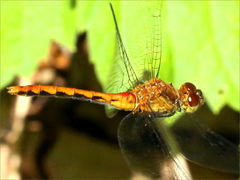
(138, 48)
(202, 146)
(149, 148)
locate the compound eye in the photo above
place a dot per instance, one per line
(190, 87)
(193, 100)
(199, 93)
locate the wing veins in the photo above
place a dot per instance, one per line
(130, 71)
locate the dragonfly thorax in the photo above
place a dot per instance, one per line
(156, 96)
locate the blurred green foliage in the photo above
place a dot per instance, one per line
(200, 40)
(27, 27)
(204, 40)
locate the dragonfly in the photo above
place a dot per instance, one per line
(146, 142)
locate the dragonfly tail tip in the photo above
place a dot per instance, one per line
(13, 90)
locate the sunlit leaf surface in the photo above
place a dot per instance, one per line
(204, 47)
(27, 27)
(200, 40)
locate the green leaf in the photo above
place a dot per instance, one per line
(200, 40)
(204, 47)
(225, 25)
(27, 27)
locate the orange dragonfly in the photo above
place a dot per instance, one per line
(144, 140)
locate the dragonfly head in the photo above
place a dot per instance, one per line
(190, 97)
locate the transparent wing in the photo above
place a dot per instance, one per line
(144, 145)
(204, 147)
(150, 148)
(138, 54)
(125, 76)
(154, 43)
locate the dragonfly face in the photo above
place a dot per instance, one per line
(190, 97)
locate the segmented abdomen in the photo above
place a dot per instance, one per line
(125, 101)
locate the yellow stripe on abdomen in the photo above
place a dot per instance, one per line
(125, 101)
